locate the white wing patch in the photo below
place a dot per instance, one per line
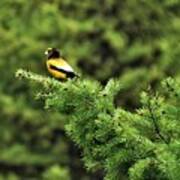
(66, 68)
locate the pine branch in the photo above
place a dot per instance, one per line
(45, 81)
(111, 138)
(154, 120)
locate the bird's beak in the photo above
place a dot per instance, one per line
(46, 53)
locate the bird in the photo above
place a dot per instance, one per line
(58, 66)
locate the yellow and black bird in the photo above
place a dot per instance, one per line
(57, 66)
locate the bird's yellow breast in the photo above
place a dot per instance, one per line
(56, 63)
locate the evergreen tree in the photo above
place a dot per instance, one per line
(143, 144)
(136, 41)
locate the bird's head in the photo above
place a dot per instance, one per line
(52, 53)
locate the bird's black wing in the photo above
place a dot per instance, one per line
(69, 74)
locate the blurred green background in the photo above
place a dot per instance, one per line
(136, 41)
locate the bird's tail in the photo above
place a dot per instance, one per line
(72, 75)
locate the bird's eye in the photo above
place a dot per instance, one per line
(46, 52)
